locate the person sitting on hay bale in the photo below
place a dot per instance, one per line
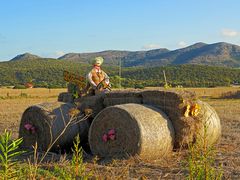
(97, 79)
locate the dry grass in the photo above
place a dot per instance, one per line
(214, 92)
(168, 168)
(13, 104)
(209, 92)
(35, 92)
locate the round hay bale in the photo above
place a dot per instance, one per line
(210, 122)
(131, 129)
(43, 123)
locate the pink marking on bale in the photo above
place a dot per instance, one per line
(33, 129)
(111, 132)
(28, 126)
(105, 138)
(112, 136)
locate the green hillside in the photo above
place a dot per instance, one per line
(42, 72)
(49, 73)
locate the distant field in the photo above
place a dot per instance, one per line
(216, 92)
(35, 92)
(14, 102)
(43, 92)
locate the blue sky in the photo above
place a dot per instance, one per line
(51, 28)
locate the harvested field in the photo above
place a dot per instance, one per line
(13, 105)
(34, 93)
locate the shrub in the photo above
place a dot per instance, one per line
(139, 86)
(19, 87)
(9, 151)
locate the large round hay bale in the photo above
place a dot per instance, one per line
(131, 129)
(43, 123)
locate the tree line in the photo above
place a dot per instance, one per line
(49, 73)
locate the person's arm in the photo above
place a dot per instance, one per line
(106, 77)
(89, 78)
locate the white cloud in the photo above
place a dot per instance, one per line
(229, 33)
(151, 46)
(59, 53)
(182, 44)
(53, 54)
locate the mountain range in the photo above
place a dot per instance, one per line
(217, 54)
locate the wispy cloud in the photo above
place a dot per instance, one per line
(59, 53)
(229, 33)
(151, 46)
(182, 44)
(53, 54)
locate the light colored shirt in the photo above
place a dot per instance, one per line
(89, 77)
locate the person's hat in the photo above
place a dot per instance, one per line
(97, 61)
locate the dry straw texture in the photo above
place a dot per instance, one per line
(139, 130)
(122, 97)
(91, 102)
(65, 97)
(174, 104)
(209, 118)
(49, 120)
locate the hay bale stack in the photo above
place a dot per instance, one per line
(122, 97)
(175, 104)
(91, 102)
(43, 123)
(131, 129)
(65, 97)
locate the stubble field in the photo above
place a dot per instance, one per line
(226, 102)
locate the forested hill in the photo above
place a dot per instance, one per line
(184, 75)
(217, 54)
(49, 73)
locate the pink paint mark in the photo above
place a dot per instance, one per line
(112, 137)
(105, 138)
(28, 126)
(33, 130)
(112, 134)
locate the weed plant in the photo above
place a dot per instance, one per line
(201, 160)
